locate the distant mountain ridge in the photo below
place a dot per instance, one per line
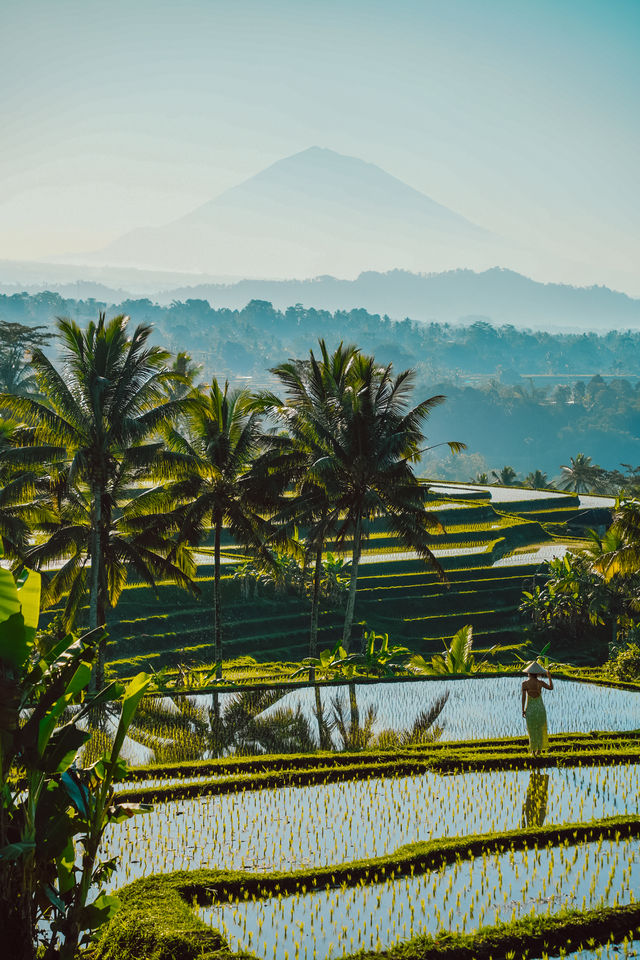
(498, 295)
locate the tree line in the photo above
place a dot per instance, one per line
(251, 339)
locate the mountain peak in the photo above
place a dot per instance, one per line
(311, 213)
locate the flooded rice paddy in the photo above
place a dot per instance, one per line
(483, 708)
(288, 828)
(460, 897)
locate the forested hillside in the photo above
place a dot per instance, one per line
(531, 399)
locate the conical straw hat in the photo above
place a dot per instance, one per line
(534, 667)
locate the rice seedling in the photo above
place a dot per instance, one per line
(272, 721)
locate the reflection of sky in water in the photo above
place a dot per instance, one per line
(477, 709)
(483, 708)
(460, 897)
(292, 827)
(547, 552)
(496, 494)
(609, 951)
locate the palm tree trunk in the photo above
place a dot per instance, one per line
(96, 523)
(315, 610)
(353, 582)
(355, 717)
(97, 676)
(217, 626)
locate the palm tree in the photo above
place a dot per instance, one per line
(312, 388)
(218, 488)
(17, 340)
(617, 553)
(507, 476)
(132, 542)
(536, 480)
(22, 487)
(580, 475)
(187, 372)
(370, 439)
(103, 409)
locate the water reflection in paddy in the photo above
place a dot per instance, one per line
(483, 708)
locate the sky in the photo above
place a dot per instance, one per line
(522, 115)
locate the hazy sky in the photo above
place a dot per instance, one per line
(520, 114)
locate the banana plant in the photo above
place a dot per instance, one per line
(52, 895)
(326, 665)
(379, 658)
(458, 656)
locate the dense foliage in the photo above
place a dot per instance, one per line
(52, 815)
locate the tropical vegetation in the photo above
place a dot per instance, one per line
(101, 412)
(53, 815)
(120, 470)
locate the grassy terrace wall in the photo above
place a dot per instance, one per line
(239, 774)
(397, 595)
(155, 923)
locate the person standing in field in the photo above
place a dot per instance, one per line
(533, 708)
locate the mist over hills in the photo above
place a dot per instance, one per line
(530, 399)
(316, 212)
(498, 295)
(346, 234)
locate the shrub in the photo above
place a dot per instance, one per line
(626, 664)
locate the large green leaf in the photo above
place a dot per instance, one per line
(65, 864)
(48, 723)
(54, 899)
(50, 657)
(108, 694)
(98, 912)
(76, 791)
(14, 641)
(28, 586)
(9, 601)
(63, 747)
(80, 680)
(119, 812)
(13, 851)
(132, 696)
(19, 612)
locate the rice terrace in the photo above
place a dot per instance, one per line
(320, 480)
